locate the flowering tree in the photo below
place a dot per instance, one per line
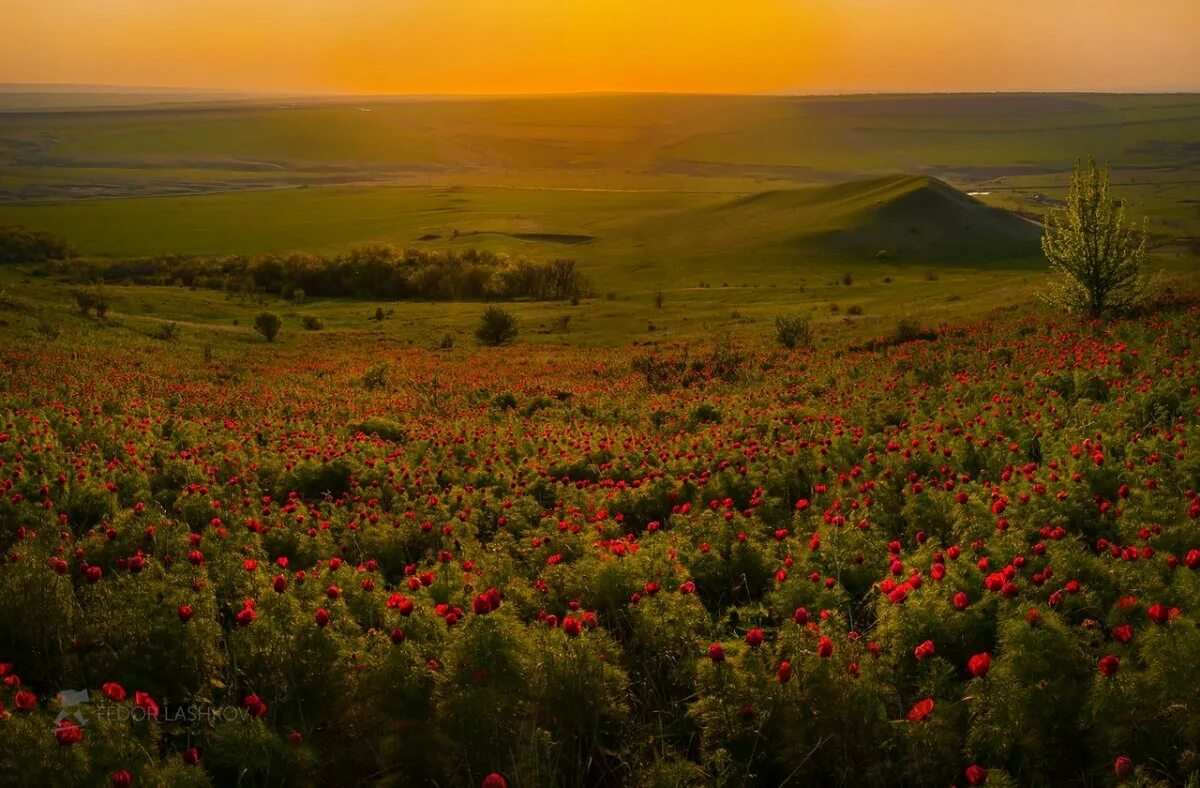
(1098, 258)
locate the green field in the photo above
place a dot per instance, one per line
(730, 205)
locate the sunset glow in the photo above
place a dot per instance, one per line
(550, 46)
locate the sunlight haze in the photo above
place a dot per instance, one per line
(549, 46)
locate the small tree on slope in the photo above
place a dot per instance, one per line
(1098, 259)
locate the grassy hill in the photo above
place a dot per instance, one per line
(905, 218)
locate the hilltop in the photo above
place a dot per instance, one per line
(905, 218)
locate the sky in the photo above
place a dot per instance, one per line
(567, 46)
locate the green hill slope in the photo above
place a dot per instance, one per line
(904, 218)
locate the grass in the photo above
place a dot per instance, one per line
(729, 205)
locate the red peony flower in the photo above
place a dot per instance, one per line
(68, 733)
(191, 756)
(754, 638)
(143, 700)
(122, 779)
(825, 648)
(494, 780)
(185, 613)
(784, 674)
(716, 653)
(254, 705)
(920, 711)
(322, 617)
(1123, 767)
(571, 627)
(113, 691)
(25, 701)
(979, 665)
(976, 774)
(1109, 664)
(924, 651)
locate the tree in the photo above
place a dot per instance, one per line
(268, 324)
(1099, 260)
(496, 327)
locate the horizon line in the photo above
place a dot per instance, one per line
(86, 87)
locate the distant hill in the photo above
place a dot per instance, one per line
(901, 218)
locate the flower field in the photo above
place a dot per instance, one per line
(968, 559)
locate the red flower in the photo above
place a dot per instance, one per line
(122, 779)
(571, 627)
(191, 756)
(254, 705)
(1123, 767)
(113, 691)
(716, 653)
(754, 638)
(322, 617)
(825, 648)
(784, 674)
(923, 651)
(976, 774)
(25, 701)
(920, 711)
(1109, 664)
(185, 613)
(68, 733)
(1123, 633)
(144, 700)
(961, 601)
(481, 605)
(494, 780)
(979, 665)
(1158, 614)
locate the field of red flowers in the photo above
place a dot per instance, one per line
(968, 559)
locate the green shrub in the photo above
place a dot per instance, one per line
(268, 324)
(793, 330)
(496, 327)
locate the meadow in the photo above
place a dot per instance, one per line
(950, 538)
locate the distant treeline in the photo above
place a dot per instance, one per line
(21, 245)
(375, 271)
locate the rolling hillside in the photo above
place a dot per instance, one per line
(901, 218)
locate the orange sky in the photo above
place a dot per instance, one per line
(540, 46)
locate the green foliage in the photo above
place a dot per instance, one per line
(793, 330)
(21, 245)
(268, 324)
(1098, 258)
(496, 327)
(166, 332)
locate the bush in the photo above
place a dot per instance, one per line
(312, 323)
(377, 377)
(87, 300)
(496, 327)
(906, 330)
(20, 245)
(167, 332)
(793, 330)
(268, 324)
